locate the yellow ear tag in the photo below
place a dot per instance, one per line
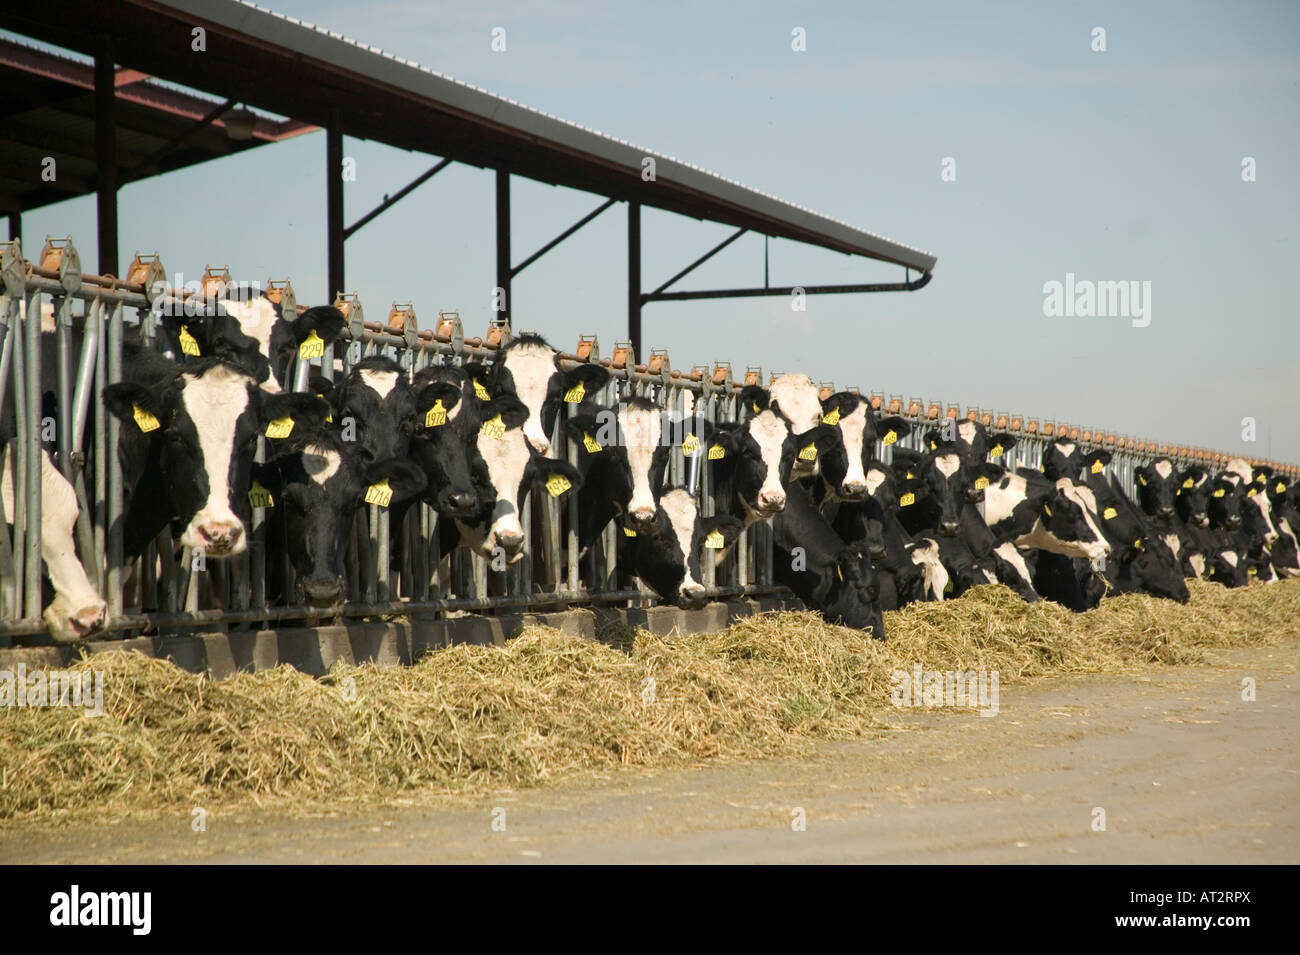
(259, 496)
(557, 484)
(910, 475)
(591, 444)
(575, 394)
(437, 415)
(1110, 513)
(379, 493)
(329, 418)
(313, 346)
(1097, 466)
(189, 344)
(1252, 571)
(831, 417)
(1047, 510)
(480, 392)
(1137, 544)
(1143, 481)
(715, 541)
(1251, 492)
(996, 451)
(1188, 483)
(981, 483)
(907, 500)
(144, 419)
(691, 445)
(839, 572)
(1219, 493)
(1280, 487)
(755, 407)
(809, 453)
(280, 428)
(933, 445)
(628, 532)
(495, 428)
(890, 437)
(717, 452)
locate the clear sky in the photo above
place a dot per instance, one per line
(1116, 165)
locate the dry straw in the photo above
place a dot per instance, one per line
(547, 706)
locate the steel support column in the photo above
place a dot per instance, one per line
(503, 244)
(15, 225)
(634, 277)
(334, 208)
(106, 159)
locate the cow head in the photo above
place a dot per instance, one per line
(945, 479)
(753, 460)
(625, 450)
(1257, 515)
(1192, 498)
(849, 594)
(446, 423)
(1062, 458)
(1224, 503)
(670, 551)
(201, 426)
(378, 404)
(1158, 484)
(505, 467)
(530, 369)
(844, 464)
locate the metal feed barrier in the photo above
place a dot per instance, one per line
(164, 592)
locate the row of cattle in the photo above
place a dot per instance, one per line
(854, 531)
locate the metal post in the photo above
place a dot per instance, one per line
(32, 488)
(334, 207)
(115, 557)
(634, 276)
(15, 225)
(503, 243)
(106, 159)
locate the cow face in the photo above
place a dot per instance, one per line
(315, 491)
(1191, 501)
(1158, 486)
(505, 467)
(211, 333)
(1227, 567)
(669, 553)
(1153, 569)
(844, 464)
(756, 458)
(201, 427)
(1224, 503)
(797, 400)
(1068, 518)
(446, 424)
(941, 471)
(1257, 515)
(850, 594)
(379, 405)
(529, 369)
(882, 499)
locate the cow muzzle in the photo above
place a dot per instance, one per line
(70, 626)
(322, 591)
(853, 490)
(770, 502)
(217, 538)
(691, 596)
(949, 528)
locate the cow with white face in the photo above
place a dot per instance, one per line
(753, 462)
(669, 552)
(250, 330)
(77, 610)
(796, 399)
(505, 468)
(1285, 553)
(622, 455)
(844, 466)
(187, 441)
(529, 369)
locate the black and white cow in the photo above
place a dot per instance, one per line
(844, 465)
(188, 436)
(377, 403)
(669, 552)
(1285, 552)
(446, 426)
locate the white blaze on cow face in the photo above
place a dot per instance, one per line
(507, 460)
(320, 463)
(1011, 554)
(77, 609)
(1173, 543)
(852, 427)
(947, 464)
(799, 400)
(641, 429)
(1260, 502)
(874, 478)
(1164, 468)
(934, 573)
(966, 431)
(531, 366)
(769, 433)
(1197, 563)
(681, 510)
(1241, 468)
(378, 381)
(1082, 495)
(256, 318)
(215, 402)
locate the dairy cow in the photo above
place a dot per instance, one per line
(669, 551)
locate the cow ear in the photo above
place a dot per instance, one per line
(584, 425)
(988, 471)
(135, 404)
(754, 399)
(404, 477)
(727, 436)
(699, 426)
(905, 460)
(933, 438)
(325, 320)
(1000, 444)
(480, 380)
(591, 377)
(512, 411)
(322, 387)
(306, 412)
(1196, 473)
(892, 428)
(838, 405)
(558, 477)
(824, 437)
(729, 527)
(268, 475)
(429, 400)
(1096, 461)
(187, 336)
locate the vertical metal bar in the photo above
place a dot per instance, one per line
(115, 490)
(63, 358)
(634, 276)
(18, 460)
(106, 158)
(100, 517)
(334, 208)
(503, 242)
(32, 490)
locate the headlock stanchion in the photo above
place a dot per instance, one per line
(61, 343)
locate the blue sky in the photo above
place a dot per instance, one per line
(1122, 165)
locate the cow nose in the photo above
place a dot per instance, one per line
(949, 528)
(642, 516)
(1234, 522)
(541, 445)
(1166, 512)
(220, 536)
(876, 552)
(854, 489)
(462, 504)
(322, 591)
(88, 619)
(692, 596)
(510, 541)
(772, 499)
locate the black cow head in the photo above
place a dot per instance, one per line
(446, 423)
(530, 369)
(844, 464)
(1062, 458)
(376, 407)
(669, 552)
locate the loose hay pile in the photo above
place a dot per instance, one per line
(547, 706)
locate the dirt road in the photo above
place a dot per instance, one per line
(1184, 769)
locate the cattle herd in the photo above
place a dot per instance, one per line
(859, 521)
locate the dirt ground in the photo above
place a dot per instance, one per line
(1184, 769)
